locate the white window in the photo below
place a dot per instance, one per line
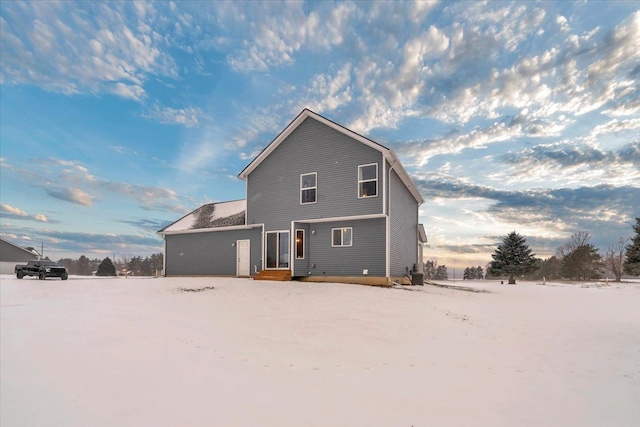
(368, 180)
(308, 188)
(341, 236)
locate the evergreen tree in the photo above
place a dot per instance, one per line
(583, 263)
(512, 258)
(632, 257)
(82, 266)
(467, 274)
(106, 268)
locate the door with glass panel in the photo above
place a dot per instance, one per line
(277, 249)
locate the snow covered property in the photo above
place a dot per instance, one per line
(323, 204)
(234, 352)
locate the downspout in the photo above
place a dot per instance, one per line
(164, 258)
(388, 269)
(292, 238)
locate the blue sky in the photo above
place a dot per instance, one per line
(118, 118)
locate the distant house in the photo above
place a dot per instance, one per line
(323, 204)
(11, 254)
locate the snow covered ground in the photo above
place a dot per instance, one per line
(145, 352)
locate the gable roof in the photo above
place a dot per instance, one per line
(211, 215)
(306, 113)
(30, 252)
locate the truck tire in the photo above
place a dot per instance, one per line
(19, 274)
(64, 276)
(42, 275)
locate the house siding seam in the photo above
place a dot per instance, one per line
(273, 188)
(403, 227)
(210, 253)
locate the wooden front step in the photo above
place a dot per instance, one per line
(276, 275)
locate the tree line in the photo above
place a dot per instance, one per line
(577, 259)
(134, 266)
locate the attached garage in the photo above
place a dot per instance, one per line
(213, 241)
(11, 254)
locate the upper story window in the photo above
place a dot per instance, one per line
(368, 180)
(341, 236)
(308, 188)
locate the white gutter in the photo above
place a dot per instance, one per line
(209, 230)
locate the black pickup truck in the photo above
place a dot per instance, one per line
(42, 268)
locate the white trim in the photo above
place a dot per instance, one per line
(340, 218)
(164, 258)
(309, 188)
(210, 230)
(368, 180)
(263, 241)
(342, 229)
(264, 253)
(246, 197)
(388, 222)
(292, 256)
(384, 185)
(388, 248)
(295, 244)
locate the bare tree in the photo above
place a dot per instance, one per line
(581, 238)
(614, 257)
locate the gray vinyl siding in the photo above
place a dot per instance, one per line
(367, 251)
(273, 188)
(212, 253)
(403, 225)
(11, 253)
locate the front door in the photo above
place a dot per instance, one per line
(277, 250)
(243, 254)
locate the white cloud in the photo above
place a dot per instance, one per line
(621, 47)
(614, 126)
(70, 181)
(11, 210)
(562, 23)
(326, 92)
(82, 47)
(41, 218)
(188, 116)
(419, 9)
(73, 195)
(284, 29)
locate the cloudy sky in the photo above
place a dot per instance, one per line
(117, 118)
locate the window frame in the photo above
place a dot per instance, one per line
(342, 230)
(315, 187)
(297, 254)
(362, 181)
(278, 249)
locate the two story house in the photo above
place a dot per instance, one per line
(323, 204)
